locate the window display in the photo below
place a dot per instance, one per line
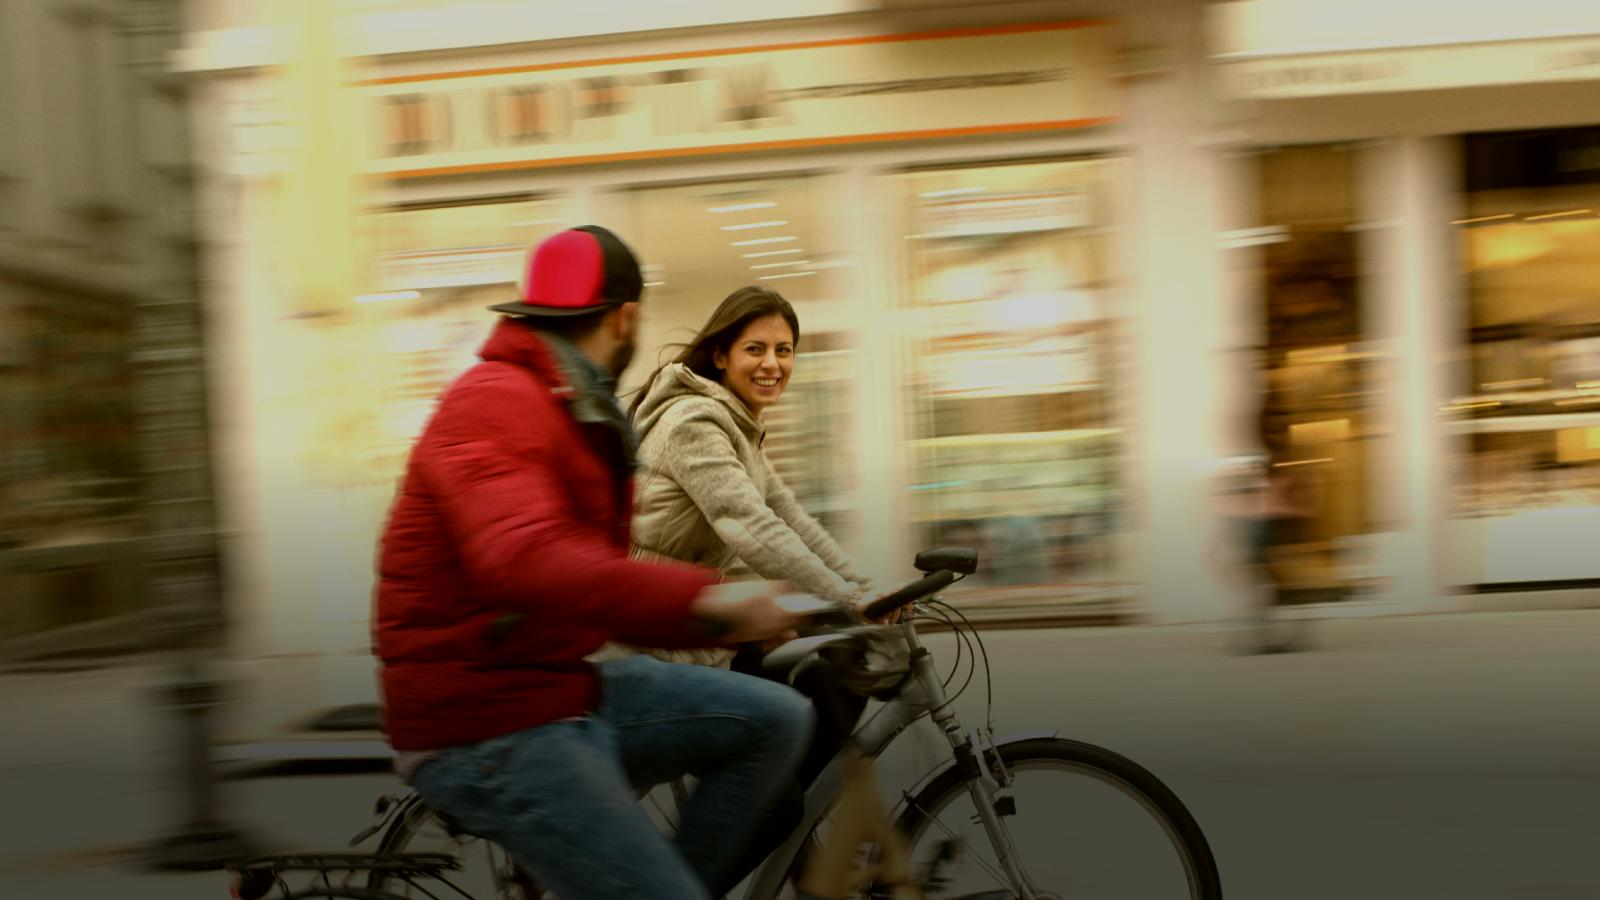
(436, 269)
(1016, 448)
(1316, 413)
(69, 453)
(1530, 243)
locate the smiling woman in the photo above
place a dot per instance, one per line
(704, 472)
(698, 245)
(757, 364)
(702, 456)
(747, 347)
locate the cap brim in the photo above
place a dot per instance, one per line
(518, 308)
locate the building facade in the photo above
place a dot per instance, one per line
(105, 503)
(1052, 262)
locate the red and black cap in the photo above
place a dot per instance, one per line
(575, 273)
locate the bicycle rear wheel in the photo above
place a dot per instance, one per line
(487, 870)
(1087, 823)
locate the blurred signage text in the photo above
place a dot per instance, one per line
(1268, 76)
(1012, 79)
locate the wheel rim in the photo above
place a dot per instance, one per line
(1091, 836)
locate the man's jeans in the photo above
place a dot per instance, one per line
(562, 798)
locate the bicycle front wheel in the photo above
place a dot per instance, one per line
(1080, 822)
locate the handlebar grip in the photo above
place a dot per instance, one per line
(916, 590)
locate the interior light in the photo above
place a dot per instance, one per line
(741, 207)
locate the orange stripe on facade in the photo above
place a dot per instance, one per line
(799, 143)
(733, 51)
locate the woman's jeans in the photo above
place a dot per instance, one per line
(837, 712)
(563, 798)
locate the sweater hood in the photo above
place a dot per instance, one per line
(675, 383)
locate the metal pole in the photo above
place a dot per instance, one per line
(202, 840)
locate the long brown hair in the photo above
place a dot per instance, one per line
(736, 311)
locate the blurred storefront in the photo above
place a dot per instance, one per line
(1529, 420)
(946, 196)
(957, 303)
(1054, 270)
(1447, 170)
(104, 463)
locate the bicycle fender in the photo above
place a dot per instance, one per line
(1015, 737)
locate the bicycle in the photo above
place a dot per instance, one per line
(987, 784)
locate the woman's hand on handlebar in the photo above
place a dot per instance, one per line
(893, 618)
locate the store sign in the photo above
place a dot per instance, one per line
(1261, 76)
(1011, 79)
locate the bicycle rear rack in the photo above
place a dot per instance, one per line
(338, 875)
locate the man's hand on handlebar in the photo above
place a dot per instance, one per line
(745, 611)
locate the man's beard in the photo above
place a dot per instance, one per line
(622, 356)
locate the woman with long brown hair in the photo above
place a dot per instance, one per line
(700, 428)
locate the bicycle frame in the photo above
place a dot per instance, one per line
(922, 693)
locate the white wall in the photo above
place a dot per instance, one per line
(1409, 193)
(402, 26)
(1306, 26)
(1179, 308)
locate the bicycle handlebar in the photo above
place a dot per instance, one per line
(916, 590)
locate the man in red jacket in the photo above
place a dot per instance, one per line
(505, 563)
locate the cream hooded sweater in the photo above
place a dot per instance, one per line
(700, 460)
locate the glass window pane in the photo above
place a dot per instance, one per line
(436, 270)
(1530, 242)
(1316, 419)
(69, 454)
(1016, 443)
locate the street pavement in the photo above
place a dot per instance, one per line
(1439, 756)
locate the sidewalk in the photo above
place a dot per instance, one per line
(1399, 742)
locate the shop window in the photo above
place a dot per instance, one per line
(1015, 445)
(435, 271)
(69, 455)
(1314, 413)
(1529, 240)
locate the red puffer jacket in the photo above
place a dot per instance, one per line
(505, 560)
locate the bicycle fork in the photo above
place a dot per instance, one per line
(975, 755)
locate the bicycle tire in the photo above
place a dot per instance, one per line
(1205, 882)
